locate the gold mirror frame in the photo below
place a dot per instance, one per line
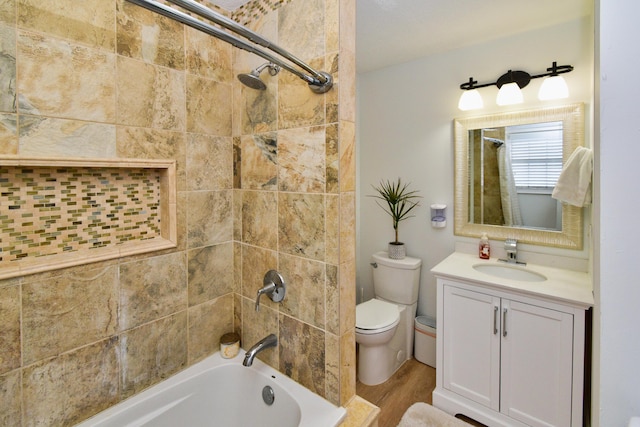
(571, 235)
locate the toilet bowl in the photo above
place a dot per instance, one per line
(384, 324)
(376, 325)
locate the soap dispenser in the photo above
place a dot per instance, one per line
(484, 249)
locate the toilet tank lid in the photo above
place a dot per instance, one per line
(406, 263)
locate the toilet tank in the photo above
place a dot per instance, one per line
(396, 280)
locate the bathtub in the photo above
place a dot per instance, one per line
(222, 392)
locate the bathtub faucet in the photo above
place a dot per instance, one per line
(269, 341)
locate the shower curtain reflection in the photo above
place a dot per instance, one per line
(508, 192)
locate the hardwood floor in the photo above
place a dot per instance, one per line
(413, 382)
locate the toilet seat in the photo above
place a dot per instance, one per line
(376, 316)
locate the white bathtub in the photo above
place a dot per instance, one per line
(222, 392)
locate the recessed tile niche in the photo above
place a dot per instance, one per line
(57, 213)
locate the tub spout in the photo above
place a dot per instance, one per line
(269, 341)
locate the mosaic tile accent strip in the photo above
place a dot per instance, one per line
(47, 211)
(256, 9)
(57, 213)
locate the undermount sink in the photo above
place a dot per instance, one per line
(513, 272)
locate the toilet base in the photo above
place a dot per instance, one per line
(377, 364)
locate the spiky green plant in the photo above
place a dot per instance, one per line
(400, 201)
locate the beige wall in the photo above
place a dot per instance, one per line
(265, 180)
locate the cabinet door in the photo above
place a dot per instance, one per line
(536, 371)
(471, 345)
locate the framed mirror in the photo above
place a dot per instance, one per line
(506, 166)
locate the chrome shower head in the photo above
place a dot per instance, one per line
(252, 79)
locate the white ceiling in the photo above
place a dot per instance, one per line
(395, 31)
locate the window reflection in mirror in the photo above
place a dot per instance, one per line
(513, 170)
(506, 166)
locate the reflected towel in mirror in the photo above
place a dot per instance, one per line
(574, 183)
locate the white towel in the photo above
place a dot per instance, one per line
(574, 183)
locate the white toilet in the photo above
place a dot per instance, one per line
(384, 324)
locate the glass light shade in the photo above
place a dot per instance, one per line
(470, 100)
(553, 87)
(509, 94)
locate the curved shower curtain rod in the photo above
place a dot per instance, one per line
(318, 81)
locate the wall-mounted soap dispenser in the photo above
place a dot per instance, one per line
(438, 216)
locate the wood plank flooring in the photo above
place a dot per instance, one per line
(413, 382)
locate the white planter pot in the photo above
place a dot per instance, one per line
(396, 250)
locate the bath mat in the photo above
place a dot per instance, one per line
(424, 415)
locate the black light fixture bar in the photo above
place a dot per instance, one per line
(522, 78)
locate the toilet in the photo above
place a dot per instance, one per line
(384, 324)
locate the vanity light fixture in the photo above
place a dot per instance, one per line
(510, 85)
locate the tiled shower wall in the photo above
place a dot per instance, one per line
(265, 180)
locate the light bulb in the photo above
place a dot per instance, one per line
(470, 100)
(509, 94)
(553, 87)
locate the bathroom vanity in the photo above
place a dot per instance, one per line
(511, 342)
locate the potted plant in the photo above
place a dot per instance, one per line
(399, 201)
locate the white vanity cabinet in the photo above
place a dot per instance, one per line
(509, 357)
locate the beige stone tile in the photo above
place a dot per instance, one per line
(256, 111)
(332, 368)
(10, 356)
(332, 158)
(154, 98)
(348, 25)
(332, 249)
(255, 264)
(255, 326)
(333, 299)
(61, 79)
(207, 323)
(301, 225)
(210, 272)
(237, 315)
(302, 25)
(10, 399)
(144, 143)
(305, 367)
(182, 209)
(208, 56)
(332, 25)
(209, 217)
(68, 311)
(305, 297)
(237, 215)
(260, 218)
(72, 387)
(259, 161)
(40, 136)
(302, 159)
(208, 106)
(347, 227)
(8, 134)
(209, 162)
(152, 288)
(7, 68)
(347, 156)
(297, 105)
(347, 284)
(332, 97)
(92, 24)
(347, 366)
(8, 13)
(347, 93)
(237, 162)
(360, 413)
(237, 267)
(153, 352)
(150, 37)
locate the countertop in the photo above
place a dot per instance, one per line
(565, 286)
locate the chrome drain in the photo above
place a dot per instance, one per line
(268, 395)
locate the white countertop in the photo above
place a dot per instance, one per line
(565, 286)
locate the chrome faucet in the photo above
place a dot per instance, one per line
(511, 247)
(269, 341)
(274, 286)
